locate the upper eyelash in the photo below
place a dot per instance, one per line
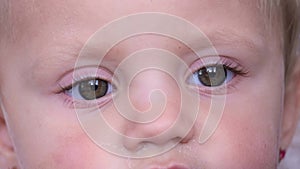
(229, 65)
(236, 69)
(77, 80)
(84, 73)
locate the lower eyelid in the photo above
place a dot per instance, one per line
(224, 89)
(79, 100)
(75, 103)
(71, 102)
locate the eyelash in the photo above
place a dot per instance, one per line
(80, 76)
(235, 68)
(82, 103)
(228, 64)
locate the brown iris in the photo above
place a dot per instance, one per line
(93, 88)
(212, 76)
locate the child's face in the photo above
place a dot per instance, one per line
(49, 35)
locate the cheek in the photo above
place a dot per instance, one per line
(254, 147)
(247, 135)
(238, 144)
(73, 149)
(250, 133)
(76, 152)
(51, 138)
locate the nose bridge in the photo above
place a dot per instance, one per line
(151, 82)
(140, 91)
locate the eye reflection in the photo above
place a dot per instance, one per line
(212, 76)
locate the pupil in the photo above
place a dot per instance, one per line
(93, 89)
(93, 84)
(212, 76)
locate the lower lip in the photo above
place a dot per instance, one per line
(177, 167)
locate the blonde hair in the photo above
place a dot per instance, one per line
(285, 12)
(290, 24)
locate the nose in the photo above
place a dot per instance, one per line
(170, 126)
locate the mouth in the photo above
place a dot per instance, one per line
(172, 167)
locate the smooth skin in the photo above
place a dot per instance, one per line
(39, 128)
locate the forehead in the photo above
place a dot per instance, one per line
(47, 27)
(30, 17)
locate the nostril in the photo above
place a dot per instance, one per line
(188, 137)
(138, 145)
(177, 139)
(134, 145)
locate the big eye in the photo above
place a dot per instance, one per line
(90, 89)
(212, 76)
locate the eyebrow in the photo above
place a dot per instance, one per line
(218, 37)
(229, 37)
(64, 56)
(67, 53)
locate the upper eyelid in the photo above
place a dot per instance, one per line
(84, 73)
(66, 53)
(214, 60)
(231, 64)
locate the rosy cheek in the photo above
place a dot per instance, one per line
(77, 152)
(243, 138)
